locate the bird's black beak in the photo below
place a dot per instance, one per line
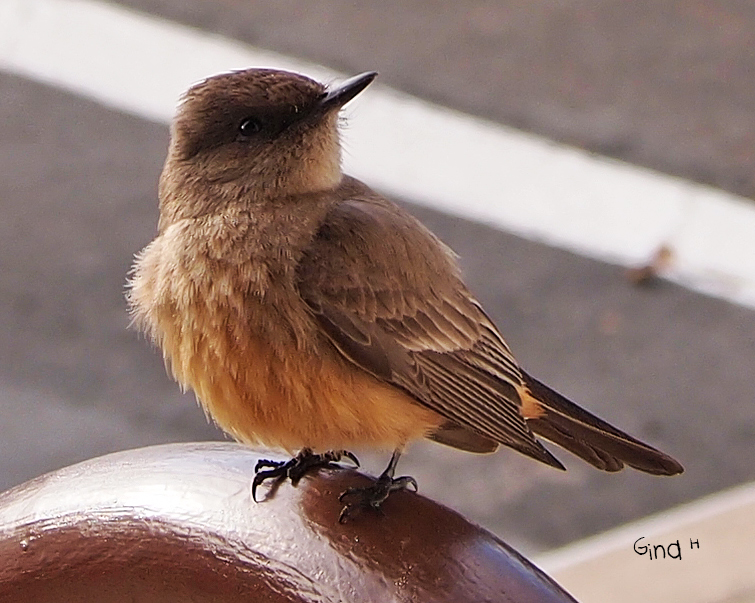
(337, 97)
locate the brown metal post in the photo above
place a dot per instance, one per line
(176, 523)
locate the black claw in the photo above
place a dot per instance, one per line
(403, 483)
(372, 497)
(344, 514)
(346, 493)
(297, 467)
(260, 477)
(351, 457)
(262, 463)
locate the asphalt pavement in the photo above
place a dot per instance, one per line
(659, 84)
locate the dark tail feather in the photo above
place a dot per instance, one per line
(592, 439)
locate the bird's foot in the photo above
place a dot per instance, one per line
(371, 497)
(294, 469)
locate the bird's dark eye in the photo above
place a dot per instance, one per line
(250, 126)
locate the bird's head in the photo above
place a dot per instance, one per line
(257, 133)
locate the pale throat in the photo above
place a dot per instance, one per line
(320, 169)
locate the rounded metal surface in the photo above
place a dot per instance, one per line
(177, 523)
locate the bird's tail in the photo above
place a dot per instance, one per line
(590, 438)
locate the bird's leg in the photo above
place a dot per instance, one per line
(371, 497)
(294, 469)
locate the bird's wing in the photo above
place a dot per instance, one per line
(387, 294)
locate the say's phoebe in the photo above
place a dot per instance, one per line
(309, 313)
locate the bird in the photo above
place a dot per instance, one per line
(311, 314)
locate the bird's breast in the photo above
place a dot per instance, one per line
(239, 335)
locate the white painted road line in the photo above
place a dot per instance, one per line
(460, 164)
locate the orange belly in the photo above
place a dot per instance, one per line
(216, 335)
(301, 400)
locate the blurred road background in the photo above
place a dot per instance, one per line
(665, 85)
